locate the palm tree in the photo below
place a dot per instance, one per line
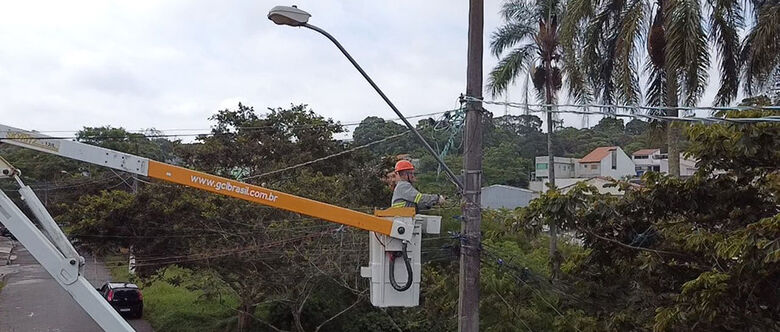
(529, 44)
(607, 35)
(760, 55)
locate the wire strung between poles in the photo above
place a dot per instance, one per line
(542, 108)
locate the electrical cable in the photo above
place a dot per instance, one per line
(452, 177)
(539, 295)
(202, 256)
(326, 157)
(662, 108)
(406, 259)
(542, 108)
(141, 135)
(214, 234)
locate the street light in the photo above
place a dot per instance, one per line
(292, 16)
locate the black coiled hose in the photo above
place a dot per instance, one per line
(408, 269)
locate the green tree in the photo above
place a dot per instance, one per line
(274, 261)
(374, 128)
(285, 137)
(504, 165)
(636, 127)
(148, 144)
(62, 181)
(531, 32)
(243, 139)
(760, 53)
(699, 253)
(524, 132)
(607, 35)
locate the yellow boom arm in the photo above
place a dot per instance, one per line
(396, 228)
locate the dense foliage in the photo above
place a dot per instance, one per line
(699, 253)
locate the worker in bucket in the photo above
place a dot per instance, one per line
(404, 194)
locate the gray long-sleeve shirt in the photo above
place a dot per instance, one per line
(405, 195)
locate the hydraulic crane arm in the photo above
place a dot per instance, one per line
(51, 247)
(126, 162)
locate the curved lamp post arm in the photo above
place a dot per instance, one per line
(422, 140)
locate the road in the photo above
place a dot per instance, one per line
(33, 301)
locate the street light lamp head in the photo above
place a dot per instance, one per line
(292, 16)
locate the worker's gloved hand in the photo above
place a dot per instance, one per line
(442, 200)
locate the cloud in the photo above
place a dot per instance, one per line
(171, 64)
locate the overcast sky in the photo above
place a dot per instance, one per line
(171, 64)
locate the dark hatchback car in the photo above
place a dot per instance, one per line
(125, 297)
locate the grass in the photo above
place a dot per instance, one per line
(177, 299)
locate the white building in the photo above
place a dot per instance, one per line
(647, 160)
(653, 160)
(607, 161)
(564, 167)
(499, 196)
(687, 166)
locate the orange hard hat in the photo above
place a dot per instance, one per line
(404, 165)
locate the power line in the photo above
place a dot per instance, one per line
(636, 111)
(709, 119)
(140, 134)
(500, 262)
(327, 157)
(198, 235)
(664, 108)
(209, 255)
(76, 184)
(167, 260)
(268, 248)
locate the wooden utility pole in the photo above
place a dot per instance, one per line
(468, 301)
(549, 31)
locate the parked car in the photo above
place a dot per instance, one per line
(125, 297)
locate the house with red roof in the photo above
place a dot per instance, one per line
(605, 161)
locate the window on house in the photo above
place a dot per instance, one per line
(614, 159)
(541, 166)
(594, 166)
(640, 157)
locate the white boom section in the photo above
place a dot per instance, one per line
(63, 265)
(75, 150)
